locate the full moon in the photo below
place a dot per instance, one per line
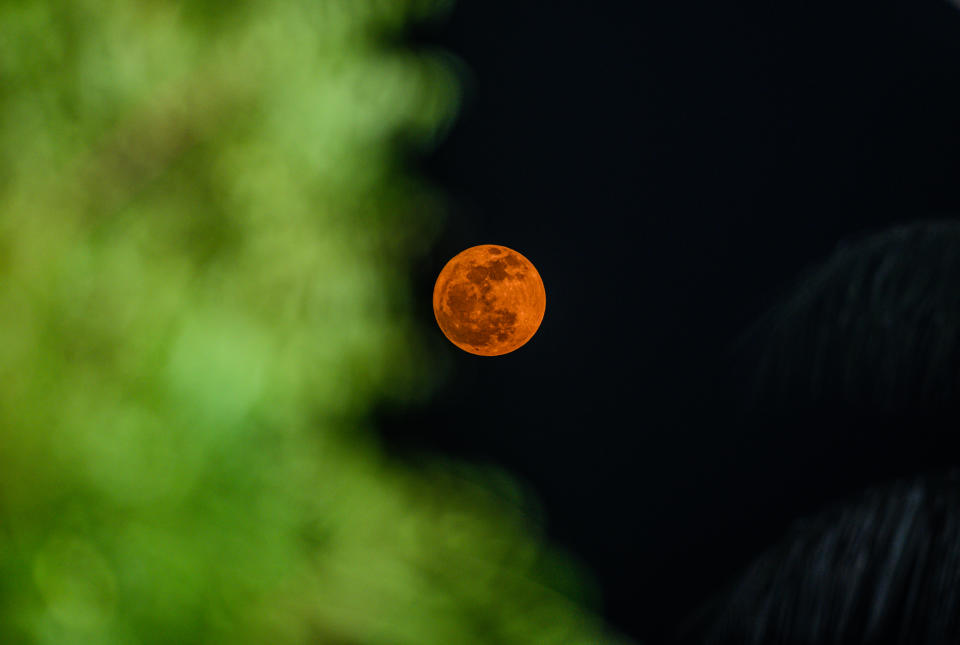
(489, 300)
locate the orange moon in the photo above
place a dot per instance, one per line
(489, 300)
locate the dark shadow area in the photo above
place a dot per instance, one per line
(672, 169)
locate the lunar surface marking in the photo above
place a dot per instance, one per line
(489, 300)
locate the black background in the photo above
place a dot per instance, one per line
(670, 167)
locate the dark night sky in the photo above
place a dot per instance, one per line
(670, 167)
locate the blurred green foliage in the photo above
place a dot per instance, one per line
(205, 221)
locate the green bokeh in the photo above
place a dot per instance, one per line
(205, 225)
